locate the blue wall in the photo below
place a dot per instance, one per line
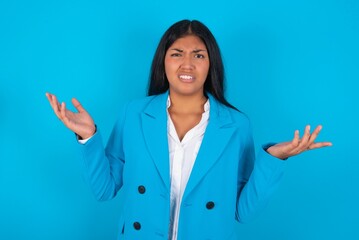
(288, 63)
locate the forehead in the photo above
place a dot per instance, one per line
(189, 42)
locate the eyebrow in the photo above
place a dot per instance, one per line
(194, 51)
(199, 50)
(176, 49)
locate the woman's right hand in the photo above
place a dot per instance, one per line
(81, 122)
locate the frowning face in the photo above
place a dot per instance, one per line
(187, 65)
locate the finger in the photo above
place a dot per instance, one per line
(315, 133)
(63, 112)
(78, 105)
(319, 145)
(306, 136)
(55, 105)
(48, 96)
(295, 141)
(57, 102)
(50, 99)
(303, 144)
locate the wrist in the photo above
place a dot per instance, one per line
(87, 135)
(273, 151)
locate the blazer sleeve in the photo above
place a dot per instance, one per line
(258, 178)
(103, 167)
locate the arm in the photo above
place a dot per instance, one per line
(103, 167)
(262, 177)
(258, 178)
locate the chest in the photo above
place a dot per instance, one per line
(184, 122)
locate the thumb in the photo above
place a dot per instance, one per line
(77, 105)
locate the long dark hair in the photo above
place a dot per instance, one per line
(214, 83)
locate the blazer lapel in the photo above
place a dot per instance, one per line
(154, 125)
(216, 137)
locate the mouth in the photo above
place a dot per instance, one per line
(186, 78)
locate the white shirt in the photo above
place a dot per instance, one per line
(182, 156)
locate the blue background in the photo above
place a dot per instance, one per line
(288, 63)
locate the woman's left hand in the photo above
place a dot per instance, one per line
(297, 146)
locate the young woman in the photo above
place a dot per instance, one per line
(183, 156)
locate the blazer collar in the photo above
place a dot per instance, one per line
(219, 131)
(154, 126)
(219, 114)
(217, 135)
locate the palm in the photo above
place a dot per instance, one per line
(296, 146)
(80, 122)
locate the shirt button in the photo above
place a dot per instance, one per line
(210, 205)
(141, 189)
(137, 225)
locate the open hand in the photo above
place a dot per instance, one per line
(81, 122)
(296, 146)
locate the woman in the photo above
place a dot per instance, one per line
(183, 156)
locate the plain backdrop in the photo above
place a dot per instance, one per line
(288, 64)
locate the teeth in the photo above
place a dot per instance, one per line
(186, 77)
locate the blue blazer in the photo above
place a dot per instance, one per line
(226, 184)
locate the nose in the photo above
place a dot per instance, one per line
(187, 62)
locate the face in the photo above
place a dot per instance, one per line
(186, 65)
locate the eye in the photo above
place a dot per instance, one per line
(199, 56)
(176, 55)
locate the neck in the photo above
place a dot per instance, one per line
(187, 104)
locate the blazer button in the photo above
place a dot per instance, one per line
(210, 205)
(141, 189)
(137, 225)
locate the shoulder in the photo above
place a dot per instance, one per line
(150, 105)
(240, 119)
(140, 103)
(238, 116)
(234, 116)
(144, 102)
